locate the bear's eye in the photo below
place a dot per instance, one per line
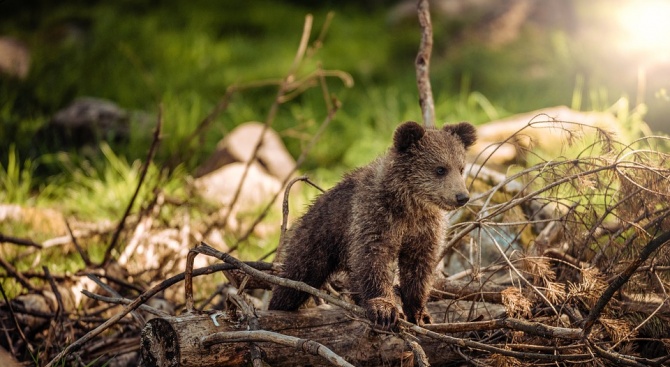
(441, 171)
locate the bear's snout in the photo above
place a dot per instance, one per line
(462, 199)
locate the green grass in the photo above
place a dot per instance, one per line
(186, 55)
(16, 179)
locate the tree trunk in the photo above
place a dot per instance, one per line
(176, 341)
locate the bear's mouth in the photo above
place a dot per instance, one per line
(445, 204)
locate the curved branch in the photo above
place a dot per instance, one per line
(622, 279)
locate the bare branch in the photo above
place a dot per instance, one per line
(621, 279)
(281, 91)
(308, 346)
(82, 253)
(141, 299)
(15, 321)
(124, 301)
(285, 209)
(16, 275)
(422, 65)
(208, 250)
(19, 241)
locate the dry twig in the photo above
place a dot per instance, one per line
(307, 346)
(622, 278)
(19, 241)
(143, 173)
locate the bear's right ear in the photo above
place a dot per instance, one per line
(407, 135)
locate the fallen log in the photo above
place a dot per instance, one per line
(183, 340)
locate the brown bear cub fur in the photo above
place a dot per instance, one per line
(392, 210)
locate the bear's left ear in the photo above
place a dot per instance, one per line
(464, 131)
(407, 135)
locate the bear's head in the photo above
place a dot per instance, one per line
(430, 162)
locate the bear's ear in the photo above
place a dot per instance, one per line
(464, 131)
(406, 135)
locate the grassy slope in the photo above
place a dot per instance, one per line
(185, 55)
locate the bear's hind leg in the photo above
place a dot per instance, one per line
(286, 299)
(313, 274)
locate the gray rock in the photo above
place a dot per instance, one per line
(88, 121)
(94, 112)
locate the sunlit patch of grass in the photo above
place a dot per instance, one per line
(103, 190)
(16, 179)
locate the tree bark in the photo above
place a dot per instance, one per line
(179, 340)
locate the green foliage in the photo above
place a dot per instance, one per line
(103, 190)
(185, 55)
(15, 179)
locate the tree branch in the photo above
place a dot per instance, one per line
(422, 65)
(621, 279)
(143, 174)
(141, 299)
(19, 241)
(308, 346)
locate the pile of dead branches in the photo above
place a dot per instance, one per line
(563, 261)
(579, 276)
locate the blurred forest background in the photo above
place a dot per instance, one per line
(491, 59)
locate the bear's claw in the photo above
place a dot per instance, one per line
(422, 317)
(382, 312)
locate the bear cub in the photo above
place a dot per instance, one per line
(391, 211)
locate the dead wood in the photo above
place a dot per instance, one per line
(442, 288)
(422, 64)
(349, 336)
(462, 290)
(19, 241)
(622, 278)
(553, 290)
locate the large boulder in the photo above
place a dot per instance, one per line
(219, 177)
(219, 186)
(239, 145)
(14, 57)
(550, 128)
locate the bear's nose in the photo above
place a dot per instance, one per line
(462, 199)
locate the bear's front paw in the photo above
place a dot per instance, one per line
(382, 312)
(420, 317)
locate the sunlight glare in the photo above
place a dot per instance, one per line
(647, 26)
